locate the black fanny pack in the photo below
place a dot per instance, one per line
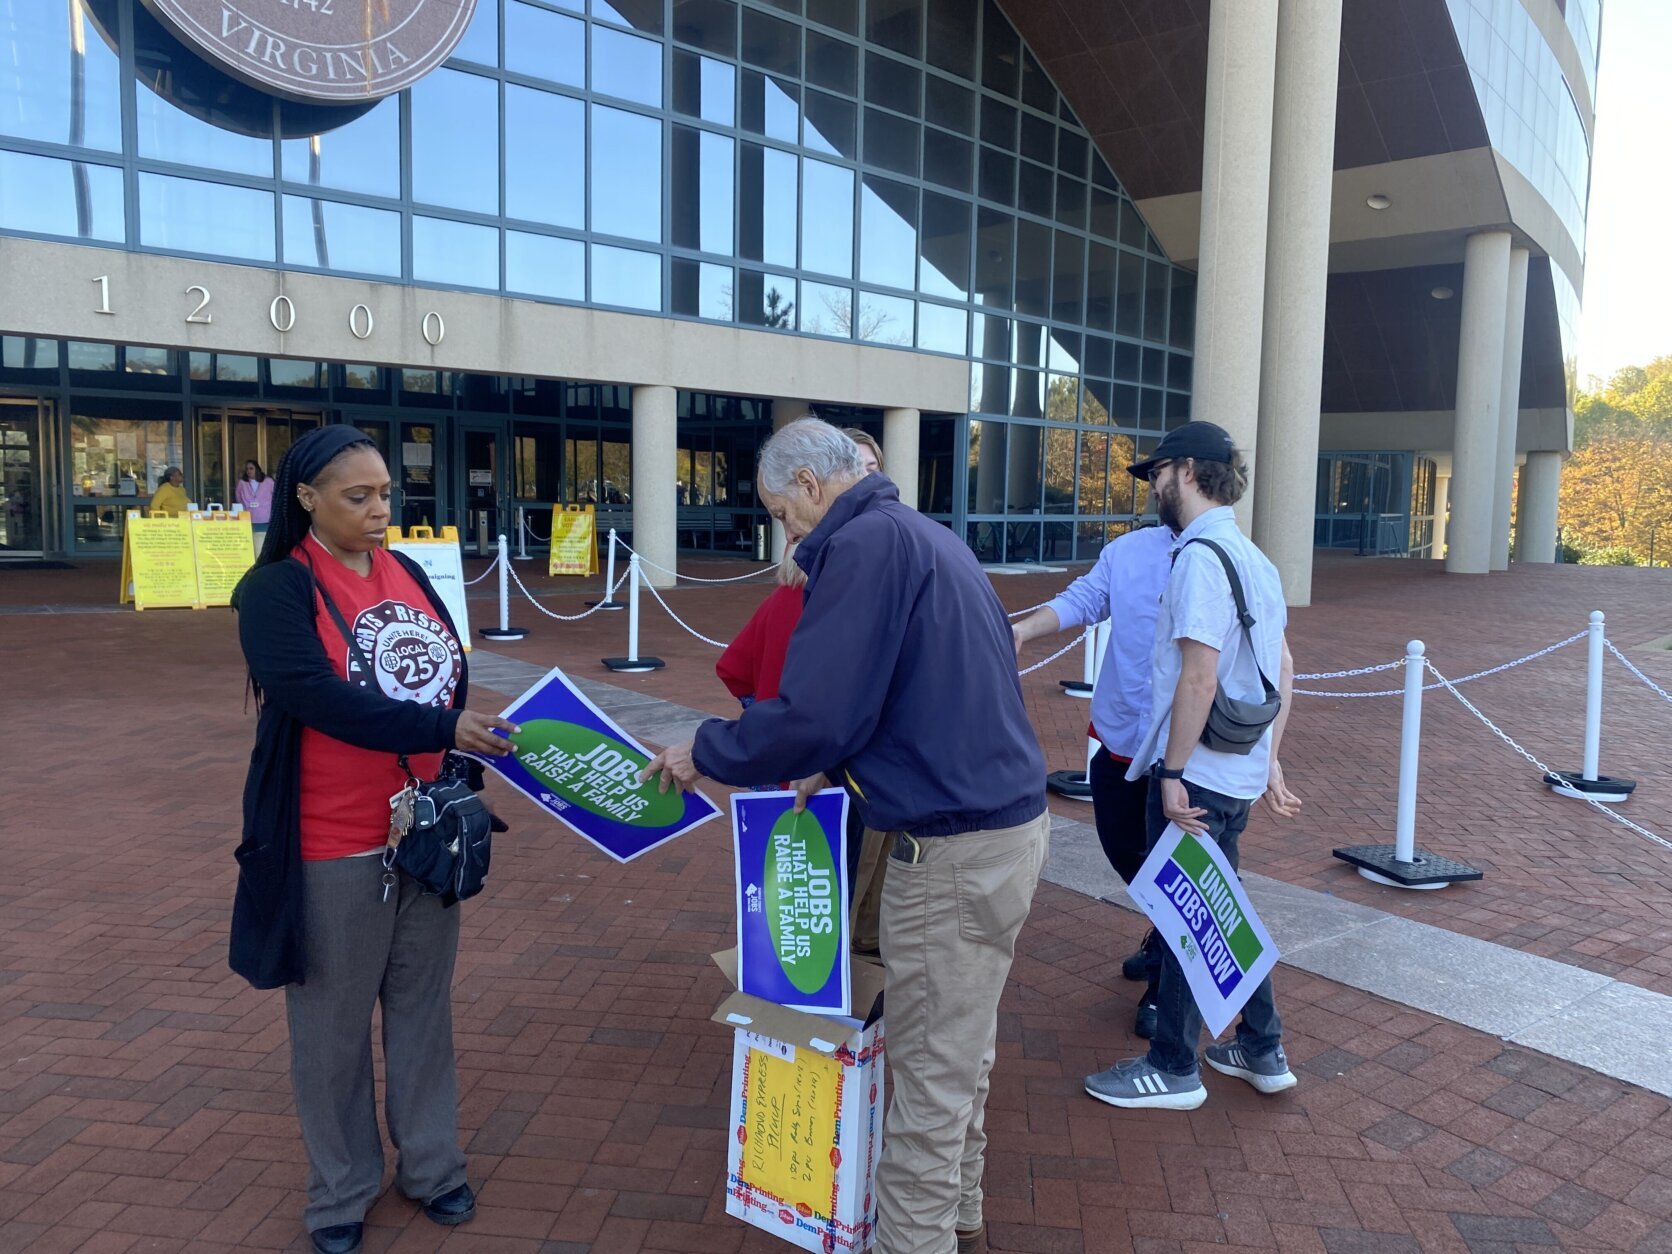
(445, 839)
(1235, 726)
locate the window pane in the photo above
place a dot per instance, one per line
(1100, 288)
(481, 38)
(458, 253)
(1094, 473)
(830, 125)
(948, 160)
(170, 134)
(771, 43)
(893, 85)
(941, 328)
(59, 79)
(947, 104)
(1059, 471)
(544, 44)
(766, 300)
(626, 176)
(641, 15)
(826, 310)
(188, 216)
(362, 156)
(1129, 293)
(896, 24)
(1026, 471)
(703, 290)
(885, 319)
(543, 265)
(998, 176)
(451, 165)
(1034, 187)
(1156, 283)
(832, 63)
(995, 251)
(332, 236)
(1033, 268)
(891, 142)
(626, 277)
(768, 206)
(988, 442)
(1071, 203)
(704, 88)
(1001, 51)
(1068, 287)
(625, 65)
(843, 15)
(46, 196)
(707, 24)
(544, 140)
(827, 218)
(703, 179)
(952, 39)
(945, 270)
(888, 233)
(771, 106)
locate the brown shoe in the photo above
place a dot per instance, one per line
(973, 1241)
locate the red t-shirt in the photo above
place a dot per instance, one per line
(753, 664)
(346, 789)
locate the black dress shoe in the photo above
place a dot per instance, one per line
(453, 1207)
(1135, 966)
(1148, 1016)
(338, 1238)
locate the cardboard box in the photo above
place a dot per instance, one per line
(806, 1116)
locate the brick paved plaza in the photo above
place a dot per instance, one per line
(144, 1095)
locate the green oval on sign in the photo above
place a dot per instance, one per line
(566, 756)
(803, 896)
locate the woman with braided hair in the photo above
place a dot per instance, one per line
(315, 912)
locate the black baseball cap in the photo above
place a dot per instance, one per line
(1201, 440)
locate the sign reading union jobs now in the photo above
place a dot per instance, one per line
(336, 51)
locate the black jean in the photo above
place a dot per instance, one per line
(1122, 809)
(1179, 1026)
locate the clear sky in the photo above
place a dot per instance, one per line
(1627, 318)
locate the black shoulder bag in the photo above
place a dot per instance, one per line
(1235, 726)
(440, 832)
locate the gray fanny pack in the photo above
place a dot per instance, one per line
(1235, 726)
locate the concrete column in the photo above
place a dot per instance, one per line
(1509, 408)
(1297, 274)
(655, 480)
(1480, 384)
(1236, 186)
(1442, 503)
(1541, 488)
(899, 450)
(785, 410)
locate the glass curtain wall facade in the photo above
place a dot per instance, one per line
(898, 172)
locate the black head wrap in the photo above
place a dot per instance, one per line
(319, 448)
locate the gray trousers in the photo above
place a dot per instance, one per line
(362, 950)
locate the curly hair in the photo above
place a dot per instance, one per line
(1223, 483)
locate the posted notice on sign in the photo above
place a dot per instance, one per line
(574, 763)
(1198, 906)
(792, 928)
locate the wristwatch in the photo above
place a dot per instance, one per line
(1162, 772)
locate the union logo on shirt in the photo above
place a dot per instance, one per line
(416, 657)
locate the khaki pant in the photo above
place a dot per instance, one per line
(949, 926)
(865, 921)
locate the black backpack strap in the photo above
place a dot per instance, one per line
(1244, 619)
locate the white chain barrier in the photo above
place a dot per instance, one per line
(471, 583)
(655, 592)
(1029, 610)
(645, 561)
(533, 534)
(566, 618)
(1450, 685)
(1397, 692)
(1067, 648)
(1630, 666)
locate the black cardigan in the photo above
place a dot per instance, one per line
(276, 627)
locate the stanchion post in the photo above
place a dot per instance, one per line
(504, 631)
(522, 534)
(1589, 782)
(1089, 666)
(633, 663)
(609, 602)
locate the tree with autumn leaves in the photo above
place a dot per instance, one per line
(1616, 503)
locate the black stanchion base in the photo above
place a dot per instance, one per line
(634, 665)
(1380, 864)
(606, 605)
(1076, 688)
(503, 633)
(1073, 784)
(1602, 788)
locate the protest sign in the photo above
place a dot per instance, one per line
(1198, 906)
(574, 541)
(443, 563)
(792, 939)
(574, 763)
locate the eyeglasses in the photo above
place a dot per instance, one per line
(1156, 470)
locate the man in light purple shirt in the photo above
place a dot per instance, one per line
(1125, 586)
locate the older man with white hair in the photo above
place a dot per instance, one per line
(902, 671)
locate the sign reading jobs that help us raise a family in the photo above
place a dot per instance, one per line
(792, 941)
(1198, 906)
(574, 763)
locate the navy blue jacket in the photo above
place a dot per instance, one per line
(902, 671)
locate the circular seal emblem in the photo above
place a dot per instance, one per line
(336, 51)
(416, 657)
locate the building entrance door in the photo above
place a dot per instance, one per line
(22, 495)
(229, 437)
(483, 488)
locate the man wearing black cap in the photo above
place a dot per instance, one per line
(1205, 644)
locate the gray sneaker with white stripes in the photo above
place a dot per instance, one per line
(1134, 1084)
(1268, 1073)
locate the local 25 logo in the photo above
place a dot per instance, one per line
(416, 657)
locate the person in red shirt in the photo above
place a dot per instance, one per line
(754, 662)
(315, 912)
